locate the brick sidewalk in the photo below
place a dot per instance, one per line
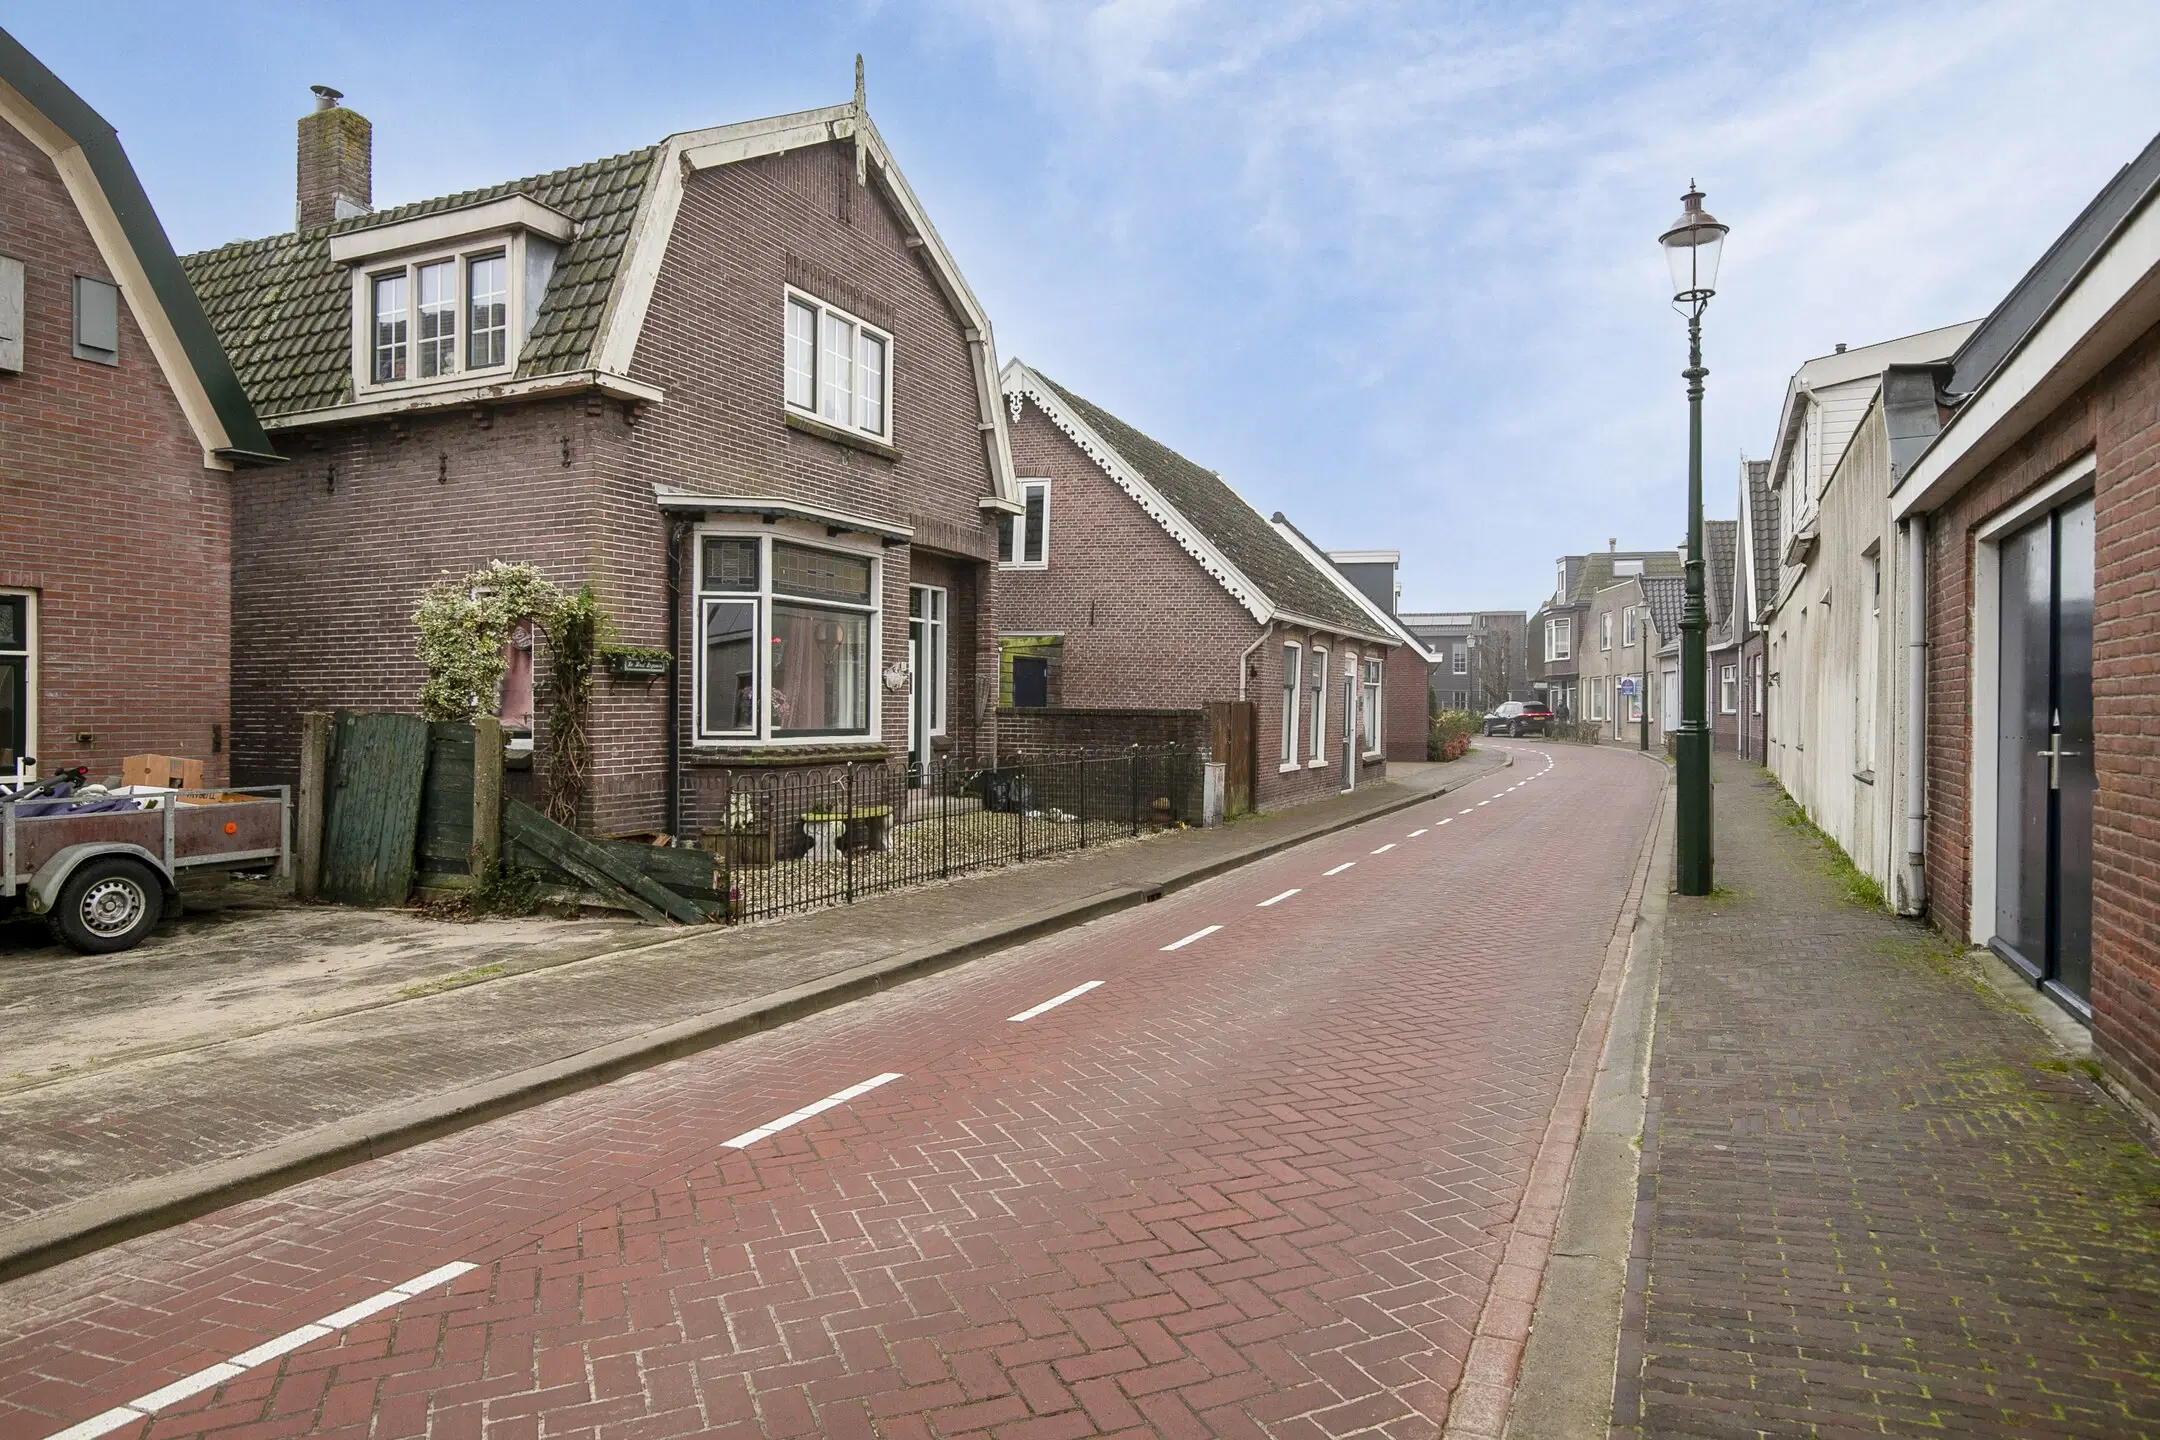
(122, 1134)
(1874, 1199)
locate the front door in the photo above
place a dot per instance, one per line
(2045, 776)
(926, 676)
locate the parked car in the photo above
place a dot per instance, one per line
(1517, 717)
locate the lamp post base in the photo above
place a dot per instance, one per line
(1692, 834)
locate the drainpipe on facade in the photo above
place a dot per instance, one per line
(1244, 661)
(1915, 715)
(672, 820)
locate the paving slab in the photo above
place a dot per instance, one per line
(256, 1048)
(1875, 1196)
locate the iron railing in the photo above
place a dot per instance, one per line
(788, 840)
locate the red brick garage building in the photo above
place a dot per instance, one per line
(122, 425)
(2039, 508)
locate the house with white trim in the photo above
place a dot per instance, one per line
(734, 381)
(1132, 578)
(123, 434)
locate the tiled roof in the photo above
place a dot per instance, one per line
(1668, 600)
(1721, 549)
(282, 306)
(1596, 571)
(1763, 521)
(1221, 515)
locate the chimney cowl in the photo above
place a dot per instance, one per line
(325, 97)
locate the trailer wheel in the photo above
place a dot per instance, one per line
(108, 904)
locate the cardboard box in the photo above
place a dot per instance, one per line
(168, 772)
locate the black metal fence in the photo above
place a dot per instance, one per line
(800, 839)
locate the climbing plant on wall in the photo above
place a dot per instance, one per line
(465, 625)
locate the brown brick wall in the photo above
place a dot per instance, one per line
(1405, 702)
(106, 511)
(331, 574)
(1144, 625)
(2117, 416)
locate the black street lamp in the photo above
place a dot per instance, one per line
(1692, 247)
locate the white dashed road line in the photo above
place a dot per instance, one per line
(1278, 899)
(1385, 848)
(1415, 833)
(773, 1127)
(211, 1376)
(1339, 868)
(1054, 1001)
(1196, 935)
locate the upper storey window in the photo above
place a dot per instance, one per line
(451, 294)
(839, 368)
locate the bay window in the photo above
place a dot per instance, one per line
(838, 368)
(785, 639)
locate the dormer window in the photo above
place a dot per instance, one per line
(839, 368)
(449, 295)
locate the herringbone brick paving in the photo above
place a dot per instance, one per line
(1875, 1201)
(1255, 1186)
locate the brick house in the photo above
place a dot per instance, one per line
(734, 381)
(1755, 576)
(123, 426)
(2037, 509)
(1667, 599)
(1368, 578)
(1557, 628)
(1134, 577)
(1620, 644)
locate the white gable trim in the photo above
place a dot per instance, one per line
(1387, 629)
(1022, 384)
(118, 253)
(653, 226)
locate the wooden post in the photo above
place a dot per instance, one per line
(487, 780)
(314, 796)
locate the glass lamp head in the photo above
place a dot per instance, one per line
(1693, 244)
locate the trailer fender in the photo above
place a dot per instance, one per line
(44, 887)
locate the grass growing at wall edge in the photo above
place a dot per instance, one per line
(1858, 886)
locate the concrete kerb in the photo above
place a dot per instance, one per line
(154, 1204)
(1516, 1381)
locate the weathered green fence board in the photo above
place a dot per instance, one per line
(378, 764)
(597, 866)
(446, 808)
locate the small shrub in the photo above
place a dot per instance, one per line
(1450, 736)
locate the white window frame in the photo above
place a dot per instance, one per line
(1319, 675)
(1755, 685)
(510, 249)
(761, 631)
(30, 676)
(1627, 627)
(937, 602)
(1605, 631)
(1293, 689)
(825, 311)
(1560, 638)
(1014, 528)
(1728, 690)
(1461, 658)
(1371, 691)
(1634, 707)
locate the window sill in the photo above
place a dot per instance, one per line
(751, 753)
(1290, 769)
(854, 440)
(1023, 565)
(1314, 765)
(1865, 777)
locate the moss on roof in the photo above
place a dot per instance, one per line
(282, 307)
(1224, 518)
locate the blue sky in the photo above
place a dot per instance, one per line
(1389, 267)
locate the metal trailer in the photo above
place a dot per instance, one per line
(102, 879)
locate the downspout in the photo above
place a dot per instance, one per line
(1916, 714)
(672, 822)
(1244, 661)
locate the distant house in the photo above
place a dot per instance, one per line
(1366, 576)
(1479, 657)
(1134, 578)
(1755, 578)
(1617, 667)
(1556, 631)
(123, 425)
(2036, 513)
(1667, 597)
(732, 380)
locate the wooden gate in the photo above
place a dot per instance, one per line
(1230, 732)
(372, 815)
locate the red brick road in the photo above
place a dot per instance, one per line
(1254, 1185)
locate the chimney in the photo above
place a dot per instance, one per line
(337, 150)
(1612, 545)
